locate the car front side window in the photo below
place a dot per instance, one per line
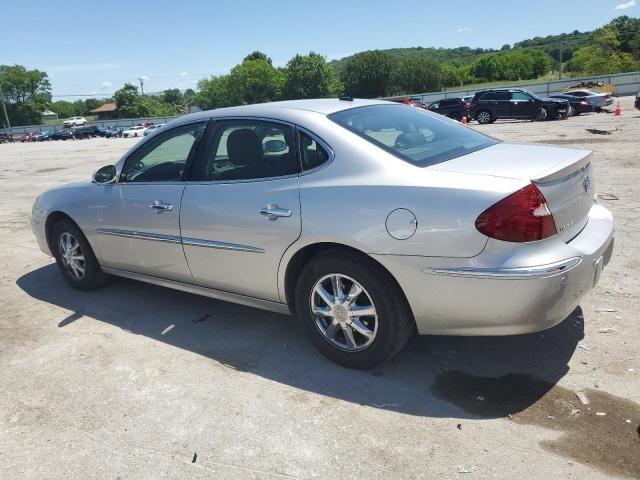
(249, 150)
(164, 158)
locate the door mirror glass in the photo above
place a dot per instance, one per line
(275, 146)
(106, 174)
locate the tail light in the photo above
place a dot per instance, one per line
(521, 217)
(466, 106)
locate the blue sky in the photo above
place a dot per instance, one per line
(95, 47)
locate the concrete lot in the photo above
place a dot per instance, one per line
(136, 381)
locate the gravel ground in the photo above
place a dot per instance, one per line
(136, 381)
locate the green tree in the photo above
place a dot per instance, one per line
(369, 75)
(603, 55)
(418, 75)
(258, 55)
(27, 93)
(254, 81)
(213, 93)
(92, 104)
(66, 109)
(130, 104)
(308, 76)
(172, 96)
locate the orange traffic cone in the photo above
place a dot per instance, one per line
(464, 120)
(618, 110)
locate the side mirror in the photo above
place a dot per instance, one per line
(105, 175)
(275, 146)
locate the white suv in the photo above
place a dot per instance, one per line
(75, 122)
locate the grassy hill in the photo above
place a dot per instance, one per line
(465, 55)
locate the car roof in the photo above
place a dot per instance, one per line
(325, 106)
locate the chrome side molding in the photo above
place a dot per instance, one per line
(156, 237)
(539, 271)
(196, 242)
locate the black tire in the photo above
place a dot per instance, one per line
(484, 117)
(93, 277)
(395, 322)
(455, 116)
(541, 114)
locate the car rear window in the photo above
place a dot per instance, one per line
(412, 134)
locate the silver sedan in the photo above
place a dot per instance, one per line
(367, 220)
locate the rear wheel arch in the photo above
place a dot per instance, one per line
(306, 254)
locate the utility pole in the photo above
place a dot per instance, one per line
(4, 109)
(561, 46)
(141, 85)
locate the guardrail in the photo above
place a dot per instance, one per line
(124, 122)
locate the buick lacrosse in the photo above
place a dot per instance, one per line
(366, 219)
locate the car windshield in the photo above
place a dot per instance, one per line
(412, 134)
(533, 95)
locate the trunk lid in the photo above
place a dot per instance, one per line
(563, 175)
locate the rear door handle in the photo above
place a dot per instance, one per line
(273, 212)
(159, 206)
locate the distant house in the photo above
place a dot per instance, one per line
(49, 115)
(105, 112)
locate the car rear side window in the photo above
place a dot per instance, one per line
(312, 153)
(251, 149)
(412, 134)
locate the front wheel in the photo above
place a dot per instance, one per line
(352, 310)
(571, 112)
(75, 258)
(541, 114)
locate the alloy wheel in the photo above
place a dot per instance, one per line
(72, 256)
(484, 117)
(344, 312)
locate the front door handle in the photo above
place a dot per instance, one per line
(159, 206)
(273, 212)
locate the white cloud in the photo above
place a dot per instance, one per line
(145, 78)
(467, 29)
(624, 6)
(106, 85)
(184, 74)
(194, 82)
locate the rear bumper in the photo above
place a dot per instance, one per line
(508, 288)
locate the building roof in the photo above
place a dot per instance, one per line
(49, 112)
(107, 107)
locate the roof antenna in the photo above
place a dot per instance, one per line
(346, 98)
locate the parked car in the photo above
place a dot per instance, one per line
(488, 106)
(135, 131)
(577, 105)
(89, 131)
(153, 128)
(45, 136)
(38, 136)
(637, 104)
(6, 138)
(453, 108)
(114, 132)
(597, 99)
(64, 134)
(26, 137)
(75, 122)
(425, 213)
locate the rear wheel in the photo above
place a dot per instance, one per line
(455, 116)
(571, 112)
(351, 309)
(484, 116)
(75, 258)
